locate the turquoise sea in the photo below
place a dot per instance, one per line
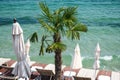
(101, 16)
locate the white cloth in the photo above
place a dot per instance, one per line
(102, 77)
(22, 68)
(33, 69)
(69, 73)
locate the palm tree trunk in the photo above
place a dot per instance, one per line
(58, 63)
(58, 58)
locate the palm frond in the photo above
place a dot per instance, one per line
(34, 37)
(45, 9)
(55, 46)
(48, 27)
(59, 11)
(44, 42)
(73, 34)
(80, 27)
(41, 52)
(69, 14)
(74, 31)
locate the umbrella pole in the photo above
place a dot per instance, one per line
(70, 77)
(95, 74)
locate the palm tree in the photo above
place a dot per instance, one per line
(61, 22)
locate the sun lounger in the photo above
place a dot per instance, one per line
(33, 68)
(6, 73)
(52, 67)
(39, 64)
(3, 60)
(115, 76)
(6, 70)
(46, 74)
(87, 73)
(104, 75)
(10, 63)
(68, 73)
(8, 77)
(35, 74)
(6, 67)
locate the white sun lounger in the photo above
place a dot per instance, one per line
(52, 67)
(102, 77)
(33, 68)
(87, 73)
(115, 76)
(3, 60)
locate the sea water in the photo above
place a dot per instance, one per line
(102, 18)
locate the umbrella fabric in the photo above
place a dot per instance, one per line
(22, 68)
(27, 48)
(76, 60)
(96, 64)
(97, 56)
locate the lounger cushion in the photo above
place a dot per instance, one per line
(34, 68)
(102, 77)
(69, 73)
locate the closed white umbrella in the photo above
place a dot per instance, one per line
(76, 59)
(97, 56)
(75, 64)
(27, 49)
(22, 69)
(96, 64)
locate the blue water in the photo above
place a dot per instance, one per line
(102, 18)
